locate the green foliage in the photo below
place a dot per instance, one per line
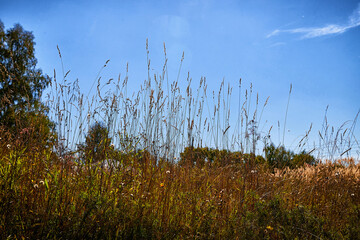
(36, 130)
(353, 230)
(272, 220)
(21, 86)
(202, 156)
(216, 157)
(97, 144)
(279, 157)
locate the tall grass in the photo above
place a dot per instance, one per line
(337, 142)
(164, 119)
(160, 117)
(42, 198)
(144, 191)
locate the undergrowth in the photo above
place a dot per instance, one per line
(47, 198)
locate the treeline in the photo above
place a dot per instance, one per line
(98, 148)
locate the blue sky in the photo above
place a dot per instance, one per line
(313, 45)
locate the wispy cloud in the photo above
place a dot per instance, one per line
(277, 44)
(312, 32)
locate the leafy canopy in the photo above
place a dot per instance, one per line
(21, 83)
(21, 86)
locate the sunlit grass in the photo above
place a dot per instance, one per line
(46, 198)
(155, 175)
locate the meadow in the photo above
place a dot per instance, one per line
(167, 164)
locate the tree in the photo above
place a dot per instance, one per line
(21, 84)
(97, 144)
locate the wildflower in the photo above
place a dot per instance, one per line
(42, 182)
(8, 146)
(162, 184)
(167, 172)
(24, 131)
(36, 186)
(269, 228)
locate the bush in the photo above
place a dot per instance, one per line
(202, 156)
(97, 144)
(279, 157)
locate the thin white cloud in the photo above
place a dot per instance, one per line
(277, 44)
(312, 32)
(273, 33)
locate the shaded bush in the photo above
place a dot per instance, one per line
(279, 157)
(201, 156)
(97, 144)
(216, 157)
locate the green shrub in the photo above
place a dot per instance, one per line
(216, 157)
(97, 144)
(279, 157)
